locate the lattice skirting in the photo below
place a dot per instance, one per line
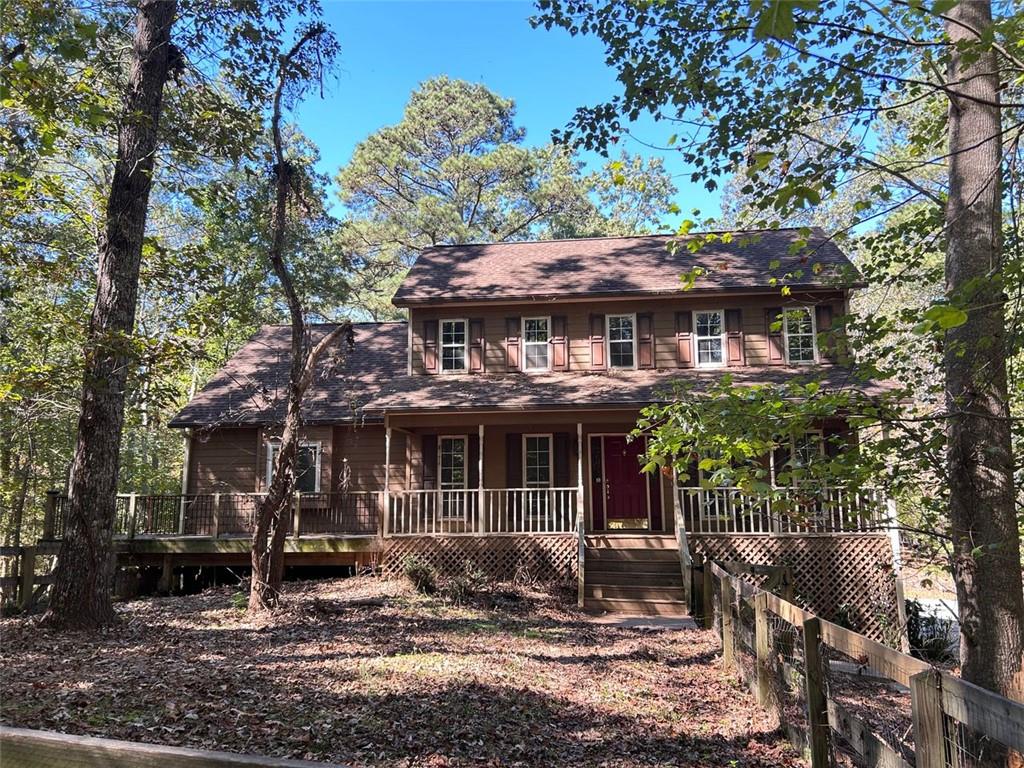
(845, 579)
(502, 558)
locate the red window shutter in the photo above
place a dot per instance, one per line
(430, 362)
(561, 449)
(826, 339)
(512, 344)
(476, 345)
(645, 340)
(734, 347)
(559, 343)
(473, 461)
(597, 357)
(428, 444)
(776, 350)
(514, 460)
(684, 339)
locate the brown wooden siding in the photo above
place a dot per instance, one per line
(223, 460)
(578, 314)
(359, 455)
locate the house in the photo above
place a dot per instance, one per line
(492, 426)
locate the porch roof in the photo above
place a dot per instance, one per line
(578, 390)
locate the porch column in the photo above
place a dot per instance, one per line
(580, 515)
(480, 522)
(387, 475)
(685, 562)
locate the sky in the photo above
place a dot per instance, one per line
(388, 47)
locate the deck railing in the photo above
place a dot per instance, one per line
(487, 511)
(833, 510)
(216, 515)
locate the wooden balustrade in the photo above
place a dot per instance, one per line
(831, 510)
(492, 511)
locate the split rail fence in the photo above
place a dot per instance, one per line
(842, 697)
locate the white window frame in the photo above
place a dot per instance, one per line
(814, 333)
(697, 338)
(269, 446)
(608, 341)
(525, 343)
(465, 344)
(551, 459)
(458, 510)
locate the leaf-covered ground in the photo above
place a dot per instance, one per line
(521, 679)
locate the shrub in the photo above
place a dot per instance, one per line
(465, 584)
(421, 574)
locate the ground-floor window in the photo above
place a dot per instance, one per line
(537, 471)
(452, 469)
(307, 466)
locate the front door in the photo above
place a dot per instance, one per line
(625, 487)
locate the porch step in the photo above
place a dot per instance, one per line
(632, 541)
(604, 565)
(634, 592)
(632, 554)
(637, 607)
(641, 578)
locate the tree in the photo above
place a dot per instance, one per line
(83, 583)
(313, 50)
(454, 170)
(740, 82)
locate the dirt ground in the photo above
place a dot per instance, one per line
(368, 673)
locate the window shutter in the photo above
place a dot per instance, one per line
(684, 339)
(430, 363)
(597, 358)
(559, 343)
(826, 339)
(512, 343)
(473, 461)
(561, 447)
(776, 351)
(428, 444)
(645, 340)
(838, 438)
(734, 351)
(514, 460)
(476, 345)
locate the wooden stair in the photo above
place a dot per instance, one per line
(636, 575)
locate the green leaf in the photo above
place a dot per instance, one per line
(775, 20)
(941, 317)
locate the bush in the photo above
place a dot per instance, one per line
(421, 574)
(464, 585)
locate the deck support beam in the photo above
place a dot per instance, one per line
(387, 475)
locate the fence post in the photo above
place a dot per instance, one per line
(131, 515)
(215, 525)
(762, 643)
(728, 638)
(926, 710)
(297, 515)
(818, 729)
(28, 577)
(581, 554)
(708, 598)
(50, 514)
(696, 609)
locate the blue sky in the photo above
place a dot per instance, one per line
(388, 47)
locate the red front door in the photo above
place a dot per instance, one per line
(625, 487)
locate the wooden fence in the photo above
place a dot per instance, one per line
(23, 748)
(30, 572)
(837, 692)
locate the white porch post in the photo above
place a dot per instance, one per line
(685, 561)
(580, 514)
(387, 475)
(480, 523)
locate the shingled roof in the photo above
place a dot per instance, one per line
(622, 266)
(250, 389)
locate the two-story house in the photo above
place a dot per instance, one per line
(493, 424)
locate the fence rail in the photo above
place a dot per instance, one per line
(834, 690)
(832, 510)
(454, 512)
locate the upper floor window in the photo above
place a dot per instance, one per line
(622, 341)
(307, 466)
(709, 327)
(799, 334)
(453, 345)
(536, 346)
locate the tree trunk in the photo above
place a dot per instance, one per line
(84, 577)
(986, 542)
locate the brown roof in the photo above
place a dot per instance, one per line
(251, 387)
(557, 391)
(621, 266)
